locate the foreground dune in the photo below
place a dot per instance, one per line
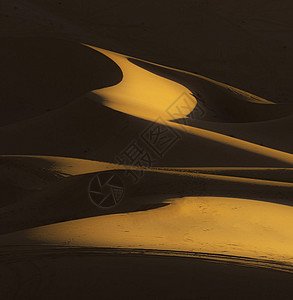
(227, 226)
(58, 273)
(238, 227)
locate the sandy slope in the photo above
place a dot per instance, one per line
(220, 102)
(227, 226)
(85, 128)
(215, 190)
(246, 107)
(189, 223)
(105, 141)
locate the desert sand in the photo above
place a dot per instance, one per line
(146, 160)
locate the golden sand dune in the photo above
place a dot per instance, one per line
(220, 102)
(84, 128)
(52, 133)
(190, 166)
(184, 191)
(229, 226)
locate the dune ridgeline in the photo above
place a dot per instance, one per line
(202, 169)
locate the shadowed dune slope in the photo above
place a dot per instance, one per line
(87, 129)
(42, 74)
(47, 190)
(166, 210)
(220, 102)
(64, 272)
(224, 109)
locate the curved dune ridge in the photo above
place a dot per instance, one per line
(162, 100)
(193, 220)
(229, 226)
(220, 102)
(218, 184)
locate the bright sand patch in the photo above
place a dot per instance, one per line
(229, 226)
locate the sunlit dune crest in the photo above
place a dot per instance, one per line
(144, 94)
(167, 99)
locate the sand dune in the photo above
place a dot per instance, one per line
(220, 102)
(205, 169)
(102, 143)
(55, 189)
(227, 226)
(264, 172)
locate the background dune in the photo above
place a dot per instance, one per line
(105, 140)
(246, 44)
